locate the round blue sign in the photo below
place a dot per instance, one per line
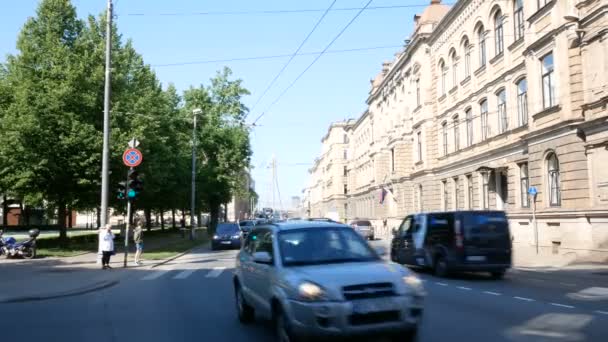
(532, 190)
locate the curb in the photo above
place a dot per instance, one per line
(36, 298)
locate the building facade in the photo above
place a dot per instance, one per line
(487, 100)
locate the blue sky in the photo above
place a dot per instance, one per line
(335, 88)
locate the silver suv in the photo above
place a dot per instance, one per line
(321, 279)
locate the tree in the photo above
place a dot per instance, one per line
(49, 149)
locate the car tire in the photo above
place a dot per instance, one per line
(372, 238)
(406, 336)
(497, 275)
(244, 311)
(281, 326)
(441, 267)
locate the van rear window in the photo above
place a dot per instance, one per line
(482, 223)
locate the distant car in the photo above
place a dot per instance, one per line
(294, 219)
(227, 235)
(471, 241)
(321, 219)
(322, 279)
(364, 227)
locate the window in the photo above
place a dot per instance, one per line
(548, 81)
(467, 58)
(553, 175)
(470, 191)
(469, 119)
(444, 75)
(444, 190)
(346, 189)
(454, 69)
(419, 142)
(392, 159)
(498, 33)
(260, 241)
(518, 14)
(456, 193)
(345, 171)
(345, 139)
(444, 130)
(524, 182)
(522, 102)
(420, 204)
(456, 133)
(345, 154)
(503, 123)
(418, 102)
(485, 190)
(483, 107)
(481, 38)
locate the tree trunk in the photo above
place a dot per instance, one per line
(173, 218)
(183, 218)
(162, 219)
(226, 212)
(70, 223)
(4, 212)
(98, 223)
(21, 213)
(214, 215)
(26, 216)
(148, 213)
(61, 216)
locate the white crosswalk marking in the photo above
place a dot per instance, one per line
(154, 275)
(216, 272)
(184, 274)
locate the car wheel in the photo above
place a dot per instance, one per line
(281, 325)
(498, 274)
(441, 267)
(407, 336)
(372, 238)
(244, 311)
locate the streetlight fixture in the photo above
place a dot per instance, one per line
(193, 224)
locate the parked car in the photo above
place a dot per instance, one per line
(322, 279)
(364, 227)
(226, 235)
(471, 241)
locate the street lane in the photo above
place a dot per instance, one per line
(191, 299)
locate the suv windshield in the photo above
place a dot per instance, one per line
(323, 246)
(363, 223)
(227, 228)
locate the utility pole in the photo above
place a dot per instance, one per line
(274, 170)
(105, 163)
(195, 113)
(127, 225)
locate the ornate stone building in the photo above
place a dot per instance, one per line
(488, 99)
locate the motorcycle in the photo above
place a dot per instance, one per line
(26, 249)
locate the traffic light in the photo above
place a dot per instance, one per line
(135, 185)
(121, 192)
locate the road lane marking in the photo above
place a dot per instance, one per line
(602, 312)
(562, 305)
(215, 272)
(441, 284)
(155, 275)
(184, 274)
(524, 299)
(464, 288)
(492, 293)
(568, 284)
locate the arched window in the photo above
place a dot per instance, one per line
(456, 133)
(453, 61)
(483, 113)
(444, 75)
(498, 33)
(503, 122)
(444, 134)
(553, 178)
(466, 47)
(518, 14)
(522, 101)
(481, 41)
(469, 121)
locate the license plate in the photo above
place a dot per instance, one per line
(226, 242)
(476, 258)
(372, 305)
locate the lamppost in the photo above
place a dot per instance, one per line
(195, 113)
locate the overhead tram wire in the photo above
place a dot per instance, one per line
(292, 56)
(314, 61)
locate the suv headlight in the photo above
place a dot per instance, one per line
(311, 291)
(215, 237)
(414, 283)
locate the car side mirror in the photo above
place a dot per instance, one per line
(381, 250)
(395, 231)
(262, 258)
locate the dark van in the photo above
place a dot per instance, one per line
(460, 241)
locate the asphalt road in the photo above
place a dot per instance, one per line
(191, 299)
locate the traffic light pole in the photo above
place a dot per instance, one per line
(128, 223)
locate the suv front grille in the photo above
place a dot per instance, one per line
(363, 291)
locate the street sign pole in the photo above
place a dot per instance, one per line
(532, 191)
(128, 222)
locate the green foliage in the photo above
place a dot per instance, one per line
(51, 115)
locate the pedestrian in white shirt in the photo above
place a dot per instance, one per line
(106, 238)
